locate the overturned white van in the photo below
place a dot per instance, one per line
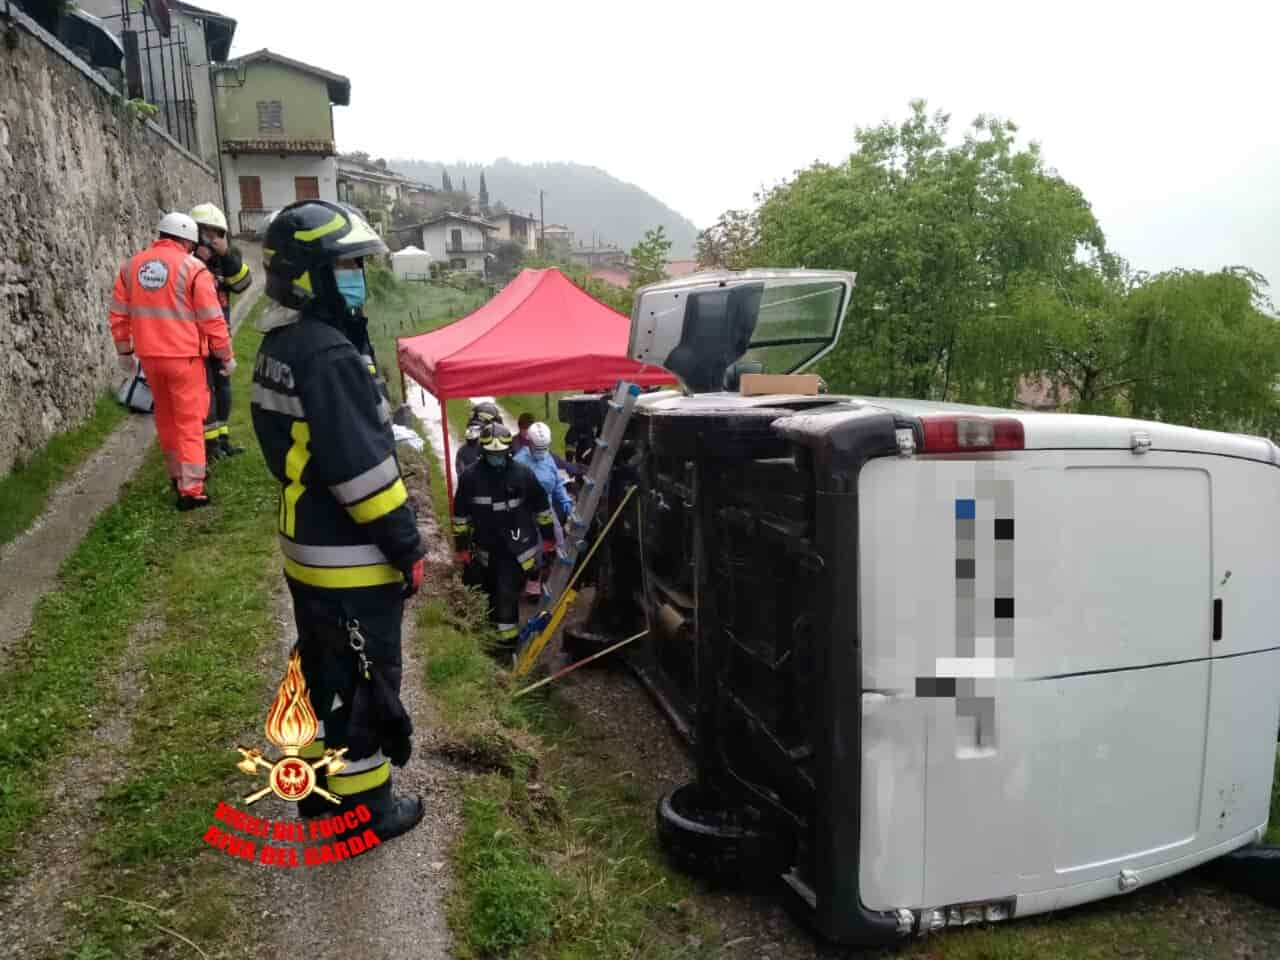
(939, 664)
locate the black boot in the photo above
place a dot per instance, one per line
(403, 815)
(212, 452)
(186, 503)
(226, 449)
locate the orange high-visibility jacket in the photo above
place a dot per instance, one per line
(165, 304)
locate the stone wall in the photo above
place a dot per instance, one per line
(83, 183)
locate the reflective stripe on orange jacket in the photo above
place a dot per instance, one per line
(165, 304)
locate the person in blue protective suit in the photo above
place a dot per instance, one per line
(537, 456)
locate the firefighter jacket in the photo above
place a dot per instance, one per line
(502, 510)
(165, 304)
(325, 431)
(231, 274)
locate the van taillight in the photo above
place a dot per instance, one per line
(965, 434)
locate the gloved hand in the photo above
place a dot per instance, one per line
(413, 578)
(229, 367)
(128, 363)
(464, 558)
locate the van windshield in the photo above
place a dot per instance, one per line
(796, 322)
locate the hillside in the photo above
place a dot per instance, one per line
(586, 199)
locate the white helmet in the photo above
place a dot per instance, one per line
(179, 225)
(540, 436)
(208, 215)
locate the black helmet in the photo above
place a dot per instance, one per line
(302, 243)
(485, 412)
(495, 438)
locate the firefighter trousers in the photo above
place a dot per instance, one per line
(502, 581)
(217, 424)
(181, 396)
(331, 670)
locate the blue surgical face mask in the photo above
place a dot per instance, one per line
(495, 459)
(351, 286)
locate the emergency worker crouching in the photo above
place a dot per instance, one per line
(500, 514)
(231, 274)
(352, 553)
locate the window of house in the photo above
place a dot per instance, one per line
(251, 193)
(306, 188)
(270, 117)
(458, 264)
(455, 239)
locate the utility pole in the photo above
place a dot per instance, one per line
(542, 225)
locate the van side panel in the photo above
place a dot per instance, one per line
(1043, 702)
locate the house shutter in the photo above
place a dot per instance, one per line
(306, 188)
(270, 116)
(250, 193)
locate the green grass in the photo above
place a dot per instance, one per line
(399, 309)
(557, 857)
(26, 489)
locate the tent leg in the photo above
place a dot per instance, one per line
(448, 457)
(547, 398)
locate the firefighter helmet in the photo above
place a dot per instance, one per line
(495, 438)
(540, 436)
(208, 215)
(486, 411)
(473, 431)
(302, 243)
(178, 226)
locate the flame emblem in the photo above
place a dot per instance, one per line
(291, 721)
(291, 725)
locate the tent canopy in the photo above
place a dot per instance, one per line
(410, 262)
(542, 333)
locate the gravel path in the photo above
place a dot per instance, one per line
(388, 904)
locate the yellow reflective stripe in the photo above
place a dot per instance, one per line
(294, 463)
(342, 578)
(360, 782)
(312, 751)
(224, 431)
(545, 517)
(380, 504)
(240, 274)
(333, 226)
(213, 433)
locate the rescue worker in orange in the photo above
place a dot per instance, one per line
(165, 313)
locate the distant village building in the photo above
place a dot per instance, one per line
(558, 239)
(463, 242)
(374, 189)
(599, 256)
(513, 227)
(275, 117)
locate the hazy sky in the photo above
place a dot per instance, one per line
(1167, 114)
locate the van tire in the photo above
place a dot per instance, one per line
(715, 845)
(1254, 871)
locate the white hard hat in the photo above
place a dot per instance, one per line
(540, 436)
(208, 215)
(179, 225)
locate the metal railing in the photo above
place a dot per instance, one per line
(468, 248)
(157, 69)
(252, 222)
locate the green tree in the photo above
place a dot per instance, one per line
(731, 243)
(938, 235)
(648, 258)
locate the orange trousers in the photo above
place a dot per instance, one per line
(181, 393)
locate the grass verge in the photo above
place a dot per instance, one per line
(557, 856)
(26, 489)
(207, 576)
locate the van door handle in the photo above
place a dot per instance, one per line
(1217, 619)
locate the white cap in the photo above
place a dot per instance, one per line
(179, 225)
(208, 215)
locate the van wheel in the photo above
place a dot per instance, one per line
(714, 843)
(1254, 871)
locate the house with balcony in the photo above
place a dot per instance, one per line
(515, 228)
(462, 241)
(275, 125)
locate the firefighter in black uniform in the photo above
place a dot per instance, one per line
(352, 552)
(502, 521)
(231, 274)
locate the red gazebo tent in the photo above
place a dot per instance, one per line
(542, 333)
